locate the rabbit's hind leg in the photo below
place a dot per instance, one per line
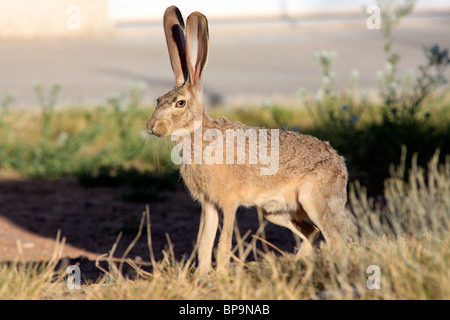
(326, 210)
(300, 228)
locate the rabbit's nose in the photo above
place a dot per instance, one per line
(148, 125)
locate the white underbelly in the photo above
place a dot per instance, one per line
(274, 201)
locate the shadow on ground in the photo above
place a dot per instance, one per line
(90, 219)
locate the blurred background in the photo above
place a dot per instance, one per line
(260, 50)
(79, 80)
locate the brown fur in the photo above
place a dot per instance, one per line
(307, 193)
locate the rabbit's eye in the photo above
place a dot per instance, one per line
(181, 104)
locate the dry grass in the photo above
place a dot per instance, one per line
(407, 238)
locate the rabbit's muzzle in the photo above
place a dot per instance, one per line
(150, 128)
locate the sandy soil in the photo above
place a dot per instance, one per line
(90, 219)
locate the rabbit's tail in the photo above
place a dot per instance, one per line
(340, 219)
(346, 223)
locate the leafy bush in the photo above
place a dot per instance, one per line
(369, 135)
(99, 145)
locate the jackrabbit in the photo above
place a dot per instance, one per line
(305, 187)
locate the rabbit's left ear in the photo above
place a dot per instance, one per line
(174, 30)
(197, 38)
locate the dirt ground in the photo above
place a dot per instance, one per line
(90, 219)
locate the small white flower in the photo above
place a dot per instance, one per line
(319, 95)
(411, 72)
(388, 68)
(266, 103)
(364, 94)
(137, 85)
(62, 138)
(393, 85)
(332, 55)
(379, 75)
(354, 74)
(324, 55)
(301, 92)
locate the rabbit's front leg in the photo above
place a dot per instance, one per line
(224, 250)
(207, 236)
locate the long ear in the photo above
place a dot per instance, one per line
(197, 38)
(174, 31)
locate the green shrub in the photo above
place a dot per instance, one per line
(370, 136)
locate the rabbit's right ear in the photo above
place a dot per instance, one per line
(197, 39)
(176, 43)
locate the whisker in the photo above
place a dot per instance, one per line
(157, 157)
(139, 148)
